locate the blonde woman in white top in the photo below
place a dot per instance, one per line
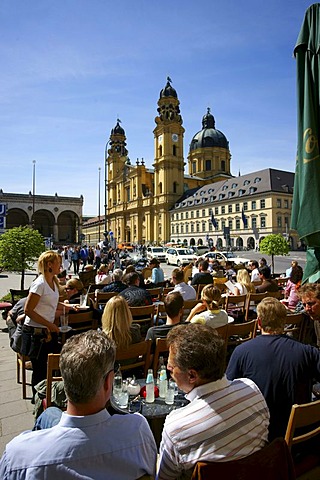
(243, 284)
(208, 311)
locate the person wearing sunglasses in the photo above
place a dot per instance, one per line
(310, 298)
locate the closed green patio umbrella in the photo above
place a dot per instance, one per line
(306, 197)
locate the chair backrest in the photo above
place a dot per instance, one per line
(161, 347)
(295, 326)
(306, 416)
(88, 277)
(103, 297)
(156, 293)
(253, 298)
(236, 304)
(279, 295)
(272, 462)
(80, 322)
(143, 314)
(167, 290)
(52, 369)
(223, 332)
(187, 306)
(160, 313)
(139, 353)
(16, 295)
(146, 272)
(187, 274)
(241, 332)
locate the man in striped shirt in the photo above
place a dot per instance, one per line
(224, 420)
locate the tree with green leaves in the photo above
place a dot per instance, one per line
(274, 244)
(20, 247)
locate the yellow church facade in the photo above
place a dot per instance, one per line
(138, 198)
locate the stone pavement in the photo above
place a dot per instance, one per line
(15, 413)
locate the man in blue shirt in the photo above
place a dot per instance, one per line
(282, 367)
(87, 442)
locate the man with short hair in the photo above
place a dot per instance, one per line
(267, 285)
(116, 284)
(204, 276)
(223, 421)
(133, 294)
(187, 292)
(174, 309)
(87, 442)
(253, 266)
(310, 297)
(282, 367)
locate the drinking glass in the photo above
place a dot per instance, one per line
(169, 400)
(64, 320)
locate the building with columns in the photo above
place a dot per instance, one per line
(55, 217)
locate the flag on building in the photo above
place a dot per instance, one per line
(214, 221)
(244, 219)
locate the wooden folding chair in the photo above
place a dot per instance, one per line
(80, 322)
(278, 295)
(16, 295)
(235, 306)
(304, 426)
(161, 348)
(144, 316)
(239, 333)
(272, 462)
(52, 376)
(187, 306)
(160, 313)
(294, 326)
(156, 293)
(22, 369)
(88, 277)
(139, 353)
(166, 290)
(102, 298)
(253, 299)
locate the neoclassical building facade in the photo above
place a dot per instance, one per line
(55, 217)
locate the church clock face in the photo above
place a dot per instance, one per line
(175, 137)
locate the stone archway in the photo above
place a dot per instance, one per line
(68, 224)
(200, 242)
(219, 244)
(16, 218)
(43, 222)
(251, 244)
(192, 242)
(239, 243)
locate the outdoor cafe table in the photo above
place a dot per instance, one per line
(155, 413)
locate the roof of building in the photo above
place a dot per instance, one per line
(268, 180)
(168, 90)
(209, 136)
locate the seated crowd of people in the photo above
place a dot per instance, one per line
(235, 408)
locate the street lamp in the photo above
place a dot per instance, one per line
(99, 204)
(33, 191)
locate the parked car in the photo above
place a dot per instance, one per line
(227, 257)
(156, 252)
(200, 250)
(179, 256)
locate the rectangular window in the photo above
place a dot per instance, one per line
(253, 205)
(254, 222)
(223, 224)
(192, 228)
(187, 215)
(187, 228)
(237, 207)
(194, 167)
(198, 227)
(229, 208)
(191, 213)
(223, 209)
(208, 165)
(245, 206)
(216, 210)
(230, 224)
(203, 213)
(238, 224)
(263, 222)
(278, 202)
(286, 203)
(262, 203)
(197, 213)
(279, 222)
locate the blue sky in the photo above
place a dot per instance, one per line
(69, 68)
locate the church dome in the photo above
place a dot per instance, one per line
(209, 136)
(118, 130)
(168, 90)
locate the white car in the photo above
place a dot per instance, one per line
(179, 256)
(226, 257)
(156, 252)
